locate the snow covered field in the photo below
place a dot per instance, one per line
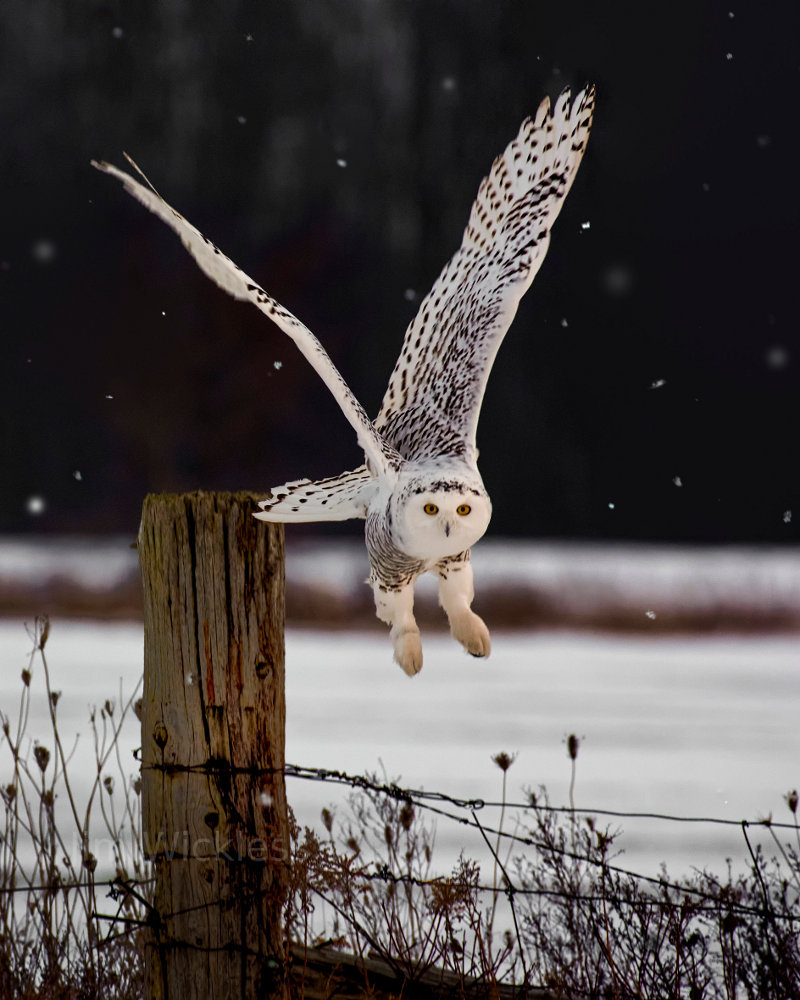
(690, 726)
(519, 584)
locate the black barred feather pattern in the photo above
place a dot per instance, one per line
(434, 396)
(391, 569)
(338, 498)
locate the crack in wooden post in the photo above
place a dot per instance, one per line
(213, 722)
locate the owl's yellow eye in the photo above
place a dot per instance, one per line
(463, 508)
(431, 508)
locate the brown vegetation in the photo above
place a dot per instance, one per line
(366, 913)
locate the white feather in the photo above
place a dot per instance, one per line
(434, 396)
(339, 498)
(233, 280)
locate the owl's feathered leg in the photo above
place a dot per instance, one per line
(456, 592)
(396, 608)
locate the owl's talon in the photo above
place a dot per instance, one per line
(472, 633)
(408, 651)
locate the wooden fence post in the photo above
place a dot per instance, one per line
(214, 801)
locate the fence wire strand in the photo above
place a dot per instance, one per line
(420, 796)
(433, 802)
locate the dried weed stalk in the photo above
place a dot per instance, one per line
(58, 935)
(578, 925)
(574, 923)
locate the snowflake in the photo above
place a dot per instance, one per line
(43, 251)
(777, 357)
(35, 505)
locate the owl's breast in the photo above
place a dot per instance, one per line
(390, 566)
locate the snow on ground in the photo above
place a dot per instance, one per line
(520, 583)
(690, 726)
(672, 720)
(99, 563)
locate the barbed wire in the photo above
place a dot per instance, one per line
(382, 873)
(433, 801)
(424, 799)
(58, 885)
(421, 796)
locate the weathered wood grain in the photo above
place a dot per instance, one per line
(325, 973)
(213, 724)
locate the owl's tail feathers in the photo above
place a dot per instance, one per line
(336, 499)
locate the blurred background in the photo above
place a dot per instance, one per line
(638, 433)
(647, 389)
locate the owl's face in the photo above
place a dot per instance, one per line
(441, 519)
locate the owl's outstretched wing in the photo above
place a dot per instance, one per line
(434, 396)
(233, 280)
(336, 499)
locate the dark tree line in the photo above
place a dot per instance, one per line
(648, 386)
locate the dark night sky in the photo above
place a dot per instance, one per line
(333, 148)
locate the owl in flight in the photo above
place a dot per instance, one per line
(419, 488)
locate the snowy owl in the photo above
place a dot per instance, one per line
(419, 489)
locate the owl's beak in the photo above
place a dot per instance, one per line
(447, 526)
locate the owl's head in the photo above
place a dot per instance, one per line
(438, 517)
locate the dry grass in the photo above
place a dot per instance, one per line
(53, 940)
(573, 923)
(548, 908)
